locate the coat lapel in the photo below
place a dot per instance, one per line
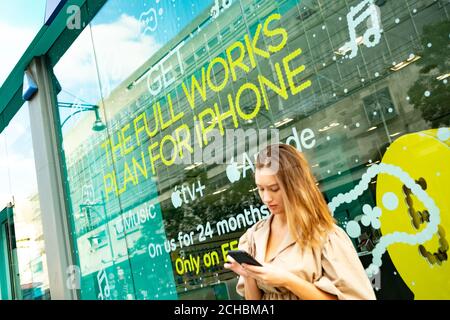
(285, 243)
(261, 237)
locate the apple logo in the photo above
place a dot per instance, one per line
(233, 173)
(176, 198)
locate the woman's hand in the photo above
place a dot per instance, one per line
(235, 267)
(268, 274)
(251, 290)
(276, 277)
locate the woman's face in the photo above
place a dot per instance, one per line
(269, 190)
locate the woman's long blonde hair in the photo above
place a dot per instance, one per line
(307, 213)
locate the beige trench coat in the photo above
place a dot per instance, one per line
(335, 268)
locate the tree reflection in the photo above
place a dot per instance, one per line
(430, 93)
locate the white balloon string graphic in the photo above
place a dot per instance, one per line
(395, 237)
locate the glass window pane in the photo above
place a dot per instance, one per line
(155, 207)
(27, 248)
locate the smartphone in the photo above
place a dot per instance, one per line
(242, 256)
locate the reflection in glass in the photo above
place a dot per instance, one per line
(154, 68)
(27, 248)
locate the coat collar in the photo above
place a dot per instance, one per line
(261, 237)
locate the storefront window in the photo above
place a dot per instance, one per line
(25, 275)
(359, 86)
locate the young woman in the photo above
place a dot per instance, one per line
(305, 255)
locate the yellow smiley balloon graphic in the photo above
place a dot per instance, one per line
(425, 156)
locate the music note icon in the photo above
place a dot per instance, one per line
(372, 35)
